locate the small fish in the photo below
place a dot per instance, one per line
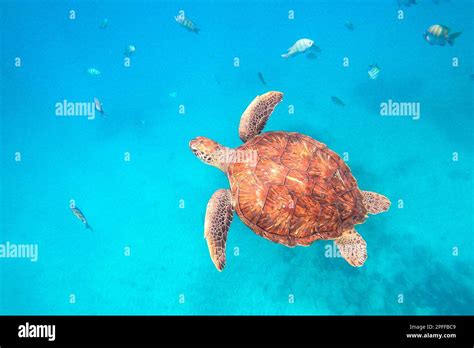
(374, 71)
(173, 94)
(140, 123)
(93, 71)
(260, 76)
(298, 47)
(104, 23)
(185, 22)
(349, 25)
(78, 213)
(130, 50)
(406, 3)
(439, 34)
(338, 101)
(98, 106)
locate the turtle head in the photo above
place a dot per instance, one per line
(208, 151)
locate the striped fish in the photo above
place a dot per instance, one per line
(78, 213)
(299, 46)
(185, 22)
(439, 34)
(374, 71)
(93, 71)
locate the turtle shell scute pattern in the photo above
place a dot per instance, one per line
(297, 192)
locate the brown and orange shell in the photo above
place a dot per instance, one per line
(296, 191)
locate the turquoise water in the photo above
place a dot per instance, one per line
(420, 252)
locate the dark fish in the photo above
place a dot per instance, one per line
(406, 3)
(260, 76)
(349, 25)
(338, 101)
(78, 213)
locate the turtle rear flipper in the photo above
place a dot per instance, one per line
(257, 113)
(219, 216)
(375, 203)
(352, 247)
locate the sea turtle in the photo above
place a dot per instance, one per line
(286, 187)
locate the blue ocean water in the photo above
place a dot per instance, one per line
(420, 252)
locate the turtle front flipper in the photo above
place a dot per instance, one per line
(375, 203)
(352, 247)
(219, 216)
(257, 113)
